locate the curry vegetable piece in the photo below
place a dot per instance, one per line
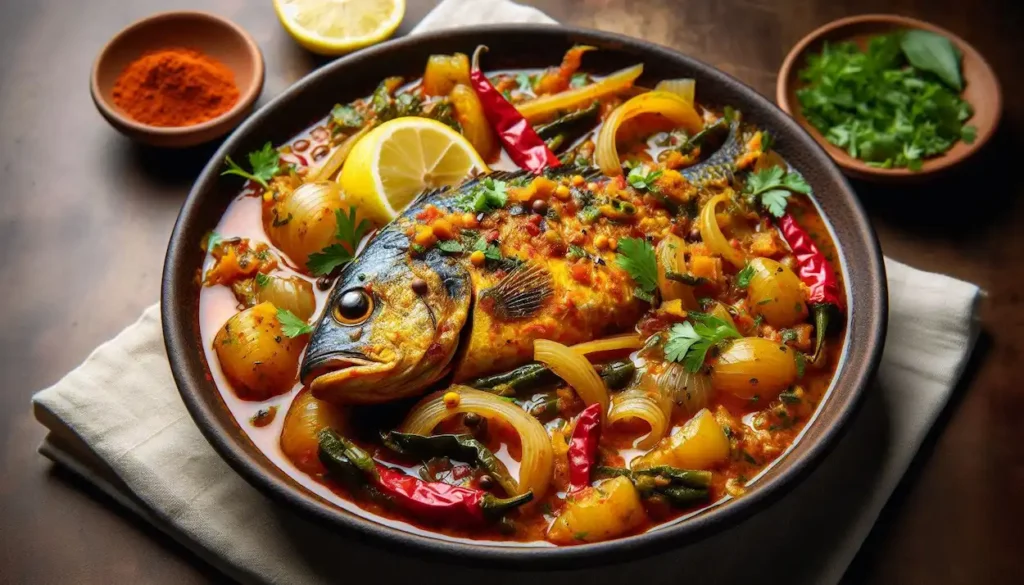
(257, 357)
(601, 512)
(755, 368)
(306, 417)
(347, 234)
(774, 291)
(699, 444)
(459, 447)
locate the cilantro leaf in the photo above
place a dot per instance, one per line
(525, 83)
(773, 185)
(636, 256)
(487, 195)
(291, 325)
(212, 240)
(576, 251)
(450, 246)
(491, 251)
(265, 164)
(642, 179)
(326, 260)
(690, 343)
(775, 201)
(262, 280)
(969, 134)
(743, 276)
(348, 232)
(578, 80)
(681, 338)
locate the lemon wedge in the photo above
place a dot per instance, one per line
(333, 27)
(398, 160)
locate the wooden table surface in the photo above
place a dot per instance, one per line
(85, 217)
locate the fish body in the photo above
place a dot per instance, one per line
(403, 316)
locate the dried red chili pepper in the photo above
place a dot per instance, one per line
(583, 447)
(518, 138)
(814, 270)
(427, 500)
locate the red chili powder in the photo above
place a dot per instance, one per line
(175, 87)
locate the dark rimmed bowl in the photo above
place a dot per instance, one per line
(522, 46)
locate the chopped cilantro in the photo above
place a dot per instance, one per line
(789, 397)
(578, 80)
(212, 240)
(347, 117)
(690, 342)
(892, 105)
(265, 164)
(773, 185)
(450, 246)
(788, 335)
(418, 248)
(743, 276)
(291, 325)
(262, 280)
(487, 195)
(347, 232)
(576, 252)
(636, 256)
(525, 83)
(491, 251)
(642, 179)
(801, 363)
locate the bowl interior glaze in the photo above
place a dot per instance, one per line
(521, 46)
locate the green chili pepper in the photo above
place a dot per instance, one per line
(680, 487)
(459, 447)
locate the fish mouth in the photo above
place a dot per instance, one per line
(333, 363)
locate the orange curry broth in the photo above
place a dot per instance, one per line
(760, 432)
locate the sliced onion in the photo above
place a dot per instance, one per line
(537, 463)
(303, 221)
(291, 294)
(572, 367)
(546, 106)
(671, 256)
(625, 341)
(646, 401)
(332, 163)
(684, 88)
(666, 104)
(713, 236)
(692, 391)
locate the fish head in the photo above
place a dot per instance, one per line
(391, 325)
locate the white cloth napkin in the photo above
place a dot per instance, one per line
(117, 420)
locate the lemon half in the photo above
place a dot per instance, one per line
(333, 27)
(398, 160)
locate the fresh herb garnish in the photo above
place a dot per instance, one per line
(642, 179)
(928, 51)
(690, 342)
(801, 363)
(743, 276)
(450, 246)
(578, 80)
(487, 195)
(491, 251)
(262, 280)
(788, 335)
(687, 279)
(347, 117)
(265, 164)
(347, 232)
(576, 251)
(773, 185)
(893, 105)
(636, 256)
(525, 83)
(291, 325)
(212, 240)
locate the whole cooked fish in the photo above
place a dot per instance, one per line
(403, 314)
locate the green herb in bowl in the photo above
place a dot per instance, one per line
(893, 105)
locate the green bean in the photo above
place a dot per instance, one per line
(459, 447)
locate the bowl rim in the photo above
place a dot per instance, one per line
(179, 343)
(247, 96)
(855, 166)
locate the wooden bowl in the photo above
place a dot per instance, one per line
(511, 47)
(210, 34)
(981, 90)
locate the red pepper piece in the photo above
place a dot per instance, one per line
(431, 501)
(814, 270)
(518, 138)
(440, 502)
(583, 447)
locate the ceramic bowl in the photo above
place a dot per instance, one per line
(210, 34)
(521, 46)
(981, 90)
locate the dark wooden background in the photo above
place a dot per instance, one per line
(85, 216)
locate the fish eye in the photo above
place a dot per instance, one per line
(354, 307)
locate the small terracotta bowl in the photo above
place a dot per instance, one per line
(981, 90)
(210, 34)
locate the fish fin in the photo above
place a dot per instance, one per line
(521, 293)
(720, 167)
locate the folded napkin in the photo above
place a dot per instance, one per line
(117, 420)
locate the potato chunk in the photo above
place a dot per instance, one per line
(607, 510)
(699, 444)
